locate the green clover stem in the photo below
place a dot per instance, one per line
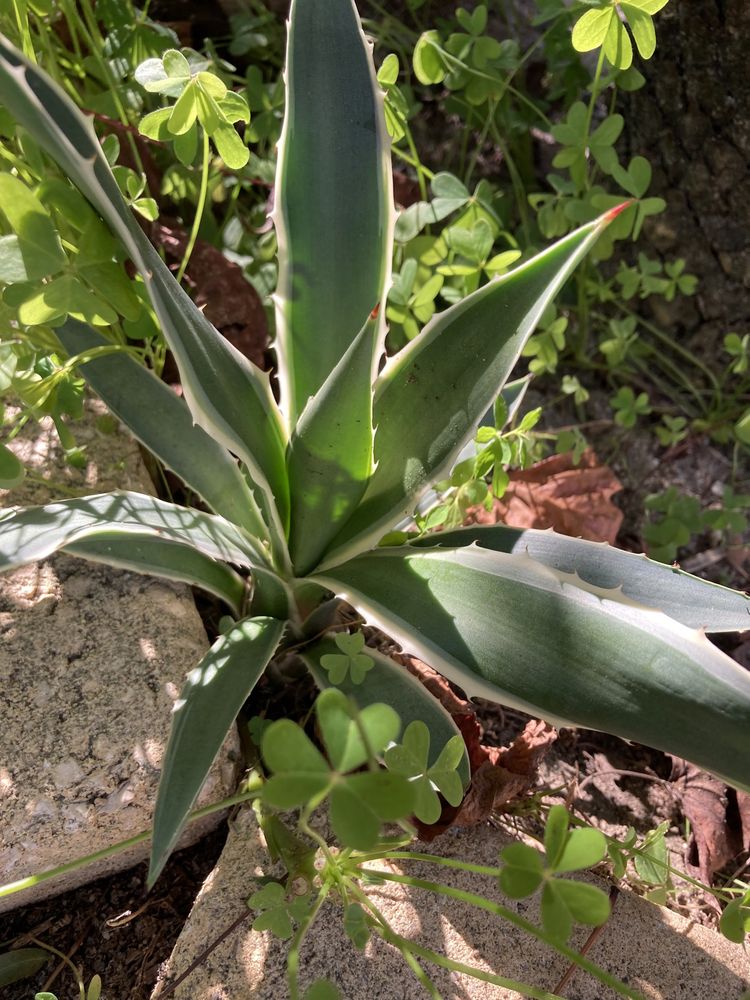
(467, 970)
(200, 207)
(507, 914)
(296, 942)
(463, 866)
(123, 845)
(404, 946)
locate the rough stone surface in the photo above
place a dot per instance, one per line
(91, 659)
(659, 954)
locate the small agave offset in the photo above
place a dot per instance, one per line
(301, 493)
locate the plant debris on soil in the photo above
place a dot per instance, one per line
(574, 499)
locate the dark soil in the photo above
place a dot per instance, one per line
(112, 926)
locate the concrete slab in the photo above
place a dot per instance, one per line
(658, 953)
(90, 661)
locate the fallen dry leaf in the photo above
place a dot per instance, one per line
(573, 499)
(743, 805)
(716, 839)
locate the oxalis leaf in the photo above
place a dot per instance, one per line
(278, 911)
(563, 901)
(350, 660)
(411, 759)
(359, 803)
(392, 684)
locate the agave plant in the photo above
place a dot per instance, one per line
(301, 493)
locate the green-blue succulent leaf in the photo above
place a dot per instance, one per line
(688, 599)
(431, 396)
(206, 709)
(330, 453)
(162, 422)
(34, 533)
(507, 628)
(154, 556)
(333, 196)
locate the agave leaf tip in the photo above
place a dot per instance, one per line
(612, 214)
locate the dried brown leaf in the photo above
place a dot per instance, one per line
(743, 806)
(704, 801)
(575, 500)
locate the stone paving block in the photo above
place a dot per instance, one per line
(91, 659)
(658, 953)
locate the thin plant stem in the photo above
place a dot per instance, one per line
(61, 955)
(523, 99)
(460, 64)
(96, 45)
(447, 963)
(417, 164)
(123, 845)
(462, 866)
(651, 376)
(480, 141)
(238, 922)
(200, 207)
(507, 914)
(676, 347)
(592, 101)
(24, 32)
(422, 173)
(588, 944)
(519, 189)
(292, 963)
(404, 947)
(582, 333)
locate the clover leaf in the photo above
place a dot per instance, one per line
(411, 759)
(563, 901)
(202, 98)
(359, 803)
(351, 660)
(628, 407)
(355, 925)
(277, 911)
(602, 26)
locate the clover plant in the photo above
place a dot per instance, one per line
(297, 495)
